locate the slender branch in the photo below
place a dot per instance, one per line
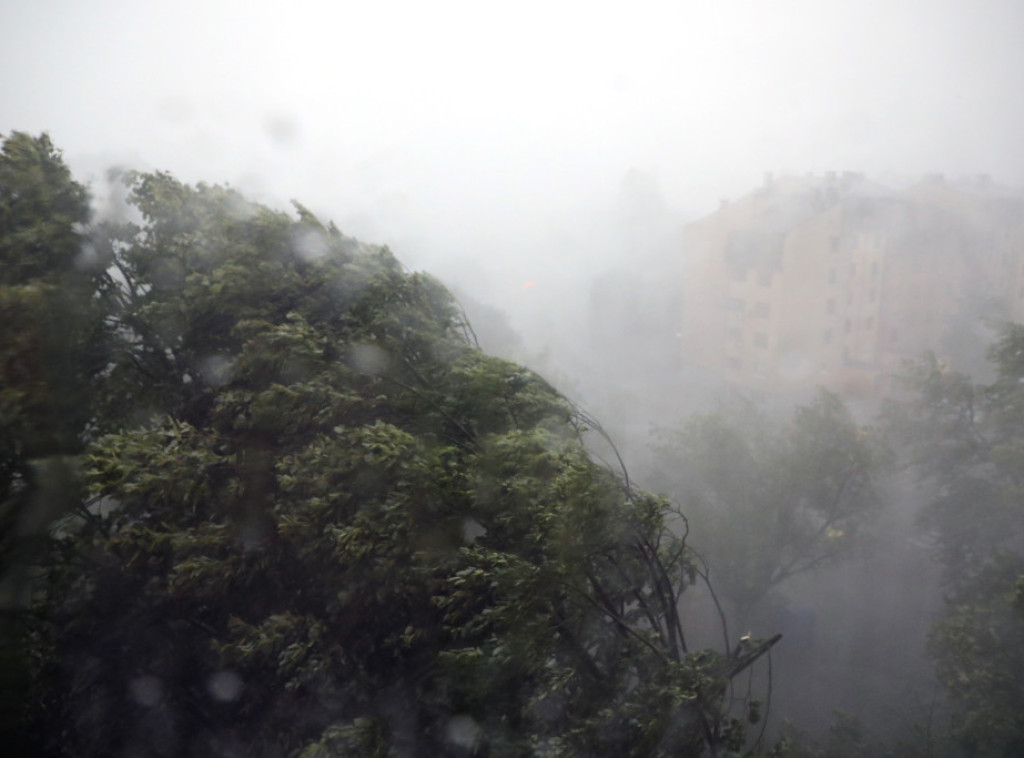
(738, 664)
(796, 567)
(652, 617)
(469, 436)
(577, 647)
(669, 600)
(593, 424)
(706, 576)
(767, 706)
(623, 626)
(676, 592)
(658, 587)
(81, 508)
(128, 279)
(466, 325)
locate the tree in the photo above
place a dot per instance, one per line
(770, 501)
(41, 210)
(50, 326)
(51, 350)
(317, 521)
(967, 443)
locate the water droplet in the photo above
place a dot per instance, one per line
(463, 731)
(146, 690)
(225, 686)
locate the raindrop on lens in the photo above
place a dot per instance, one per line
(463, 731)
(146, 690)
(225, 686)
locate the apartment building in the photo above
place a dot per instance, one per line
(834, 281)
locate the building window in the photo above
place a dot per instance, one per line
(762, 310)
(874, 268)
(894, 336)
(739, 275)
(853, 270)
(830, 306)
(827, 337)
(849, 326)
(869, 322)
(733, 363)
(831, 276)
(833, 243)
(764, 278)
(735, 304)
(734, 334)
(760, 340)
(873, 295)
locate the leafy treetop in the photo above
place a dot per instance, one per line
(318, 521)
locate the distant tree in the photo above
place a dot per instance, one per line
(316, 521)
(769, 501)
(846, 738)
(967, 443)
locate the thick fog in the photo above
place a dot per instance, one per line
(493, 144)
(542, 160)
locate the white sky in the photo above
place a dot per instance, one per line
(486, 138)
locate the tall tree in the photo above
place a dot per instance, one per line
(769, 501)
(48, 325)
(967, 443)
(320, 522)
(51, 351)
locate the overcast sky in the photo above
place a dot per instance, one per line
(487, 137)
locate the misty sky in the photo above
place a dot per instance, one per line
(487, 139)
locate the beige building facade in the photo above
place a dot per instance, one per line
(834, 281)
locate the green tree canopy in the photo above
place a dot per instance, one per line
(52, 335)
(967, 443)
(41, 210)
(318, 521)
(768, 501)
(52, 344)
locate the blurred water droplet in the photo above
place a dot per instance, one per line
(368, 359)
(463, 731)
(311, 245)
(217, 370)
(146, 690)
(281, 128)
(225, 686)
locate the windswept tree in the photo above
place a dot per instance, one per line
(316, 520)
(50, 341)
(770, 501)
(52, 344)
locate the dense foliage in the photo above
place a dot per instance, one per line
(306, 516)
(967, 442)
(769, 500)
(49, 343)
